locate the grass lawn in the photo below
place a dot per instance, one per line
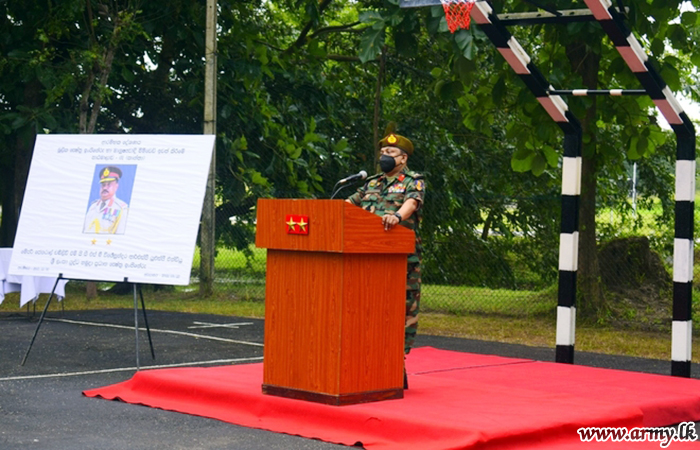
(541, 332)
(463, 300)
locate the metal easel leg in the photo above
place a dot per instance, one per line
(41, 319)
(145, 319)
(136, 327)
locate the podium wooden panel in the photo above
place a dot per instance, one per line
(334, 303)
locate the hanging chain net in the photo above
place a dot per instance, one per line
(457, 13)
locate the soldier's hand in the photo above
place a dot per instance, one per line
(389, 221)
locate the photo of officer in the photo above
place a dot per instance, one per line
(107, 214)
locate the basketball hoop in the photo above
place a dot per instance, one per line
(457, 13)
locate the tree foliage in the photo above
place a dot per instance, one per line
(300, 84)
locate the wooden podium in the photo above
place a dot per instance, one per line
(334, 301)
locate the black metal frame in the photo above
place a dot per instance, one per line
(136, 320)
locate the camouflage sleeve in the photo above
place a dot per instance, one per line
(416, 190)
(356, 198)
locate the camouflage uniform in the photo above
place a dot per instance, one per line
(382, 196)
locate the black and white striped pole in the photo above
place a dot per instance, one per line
(593, 92)
(637, 60)
(558, 110)
(568, 248)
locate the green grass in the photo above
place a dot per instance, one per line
(463, 300)
(541, 332)
(230, 302)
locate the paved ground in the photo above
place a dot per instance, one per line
(41, 406)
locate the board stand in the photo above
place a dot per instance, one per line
(137, 288)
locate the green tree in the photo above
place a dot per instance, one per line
(57, 59)
(305, 88)
(576, 55)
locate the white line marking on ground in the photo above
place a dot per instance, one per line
(218, 325)
(155, 330)
(127, 369)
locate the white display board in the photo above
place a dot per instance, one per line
(113, 207)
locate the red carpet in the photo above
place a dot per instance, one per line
(455, 401)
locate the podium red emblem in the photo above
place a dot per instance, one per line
(297, 224)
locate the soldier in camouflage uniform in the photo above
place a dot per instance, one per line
(396, 195)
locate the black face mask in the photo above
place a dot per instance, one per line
(387, 163)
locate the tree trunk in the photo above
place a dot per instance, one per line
(8, 225)
(586, 64)
(487, 224)
(591, 299)
(207, 229)
(378, 107)
(98, 74)
(24, 147)
(90, 286)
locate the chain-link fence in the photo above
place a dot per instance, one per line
(499, 272)
(491, 270)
